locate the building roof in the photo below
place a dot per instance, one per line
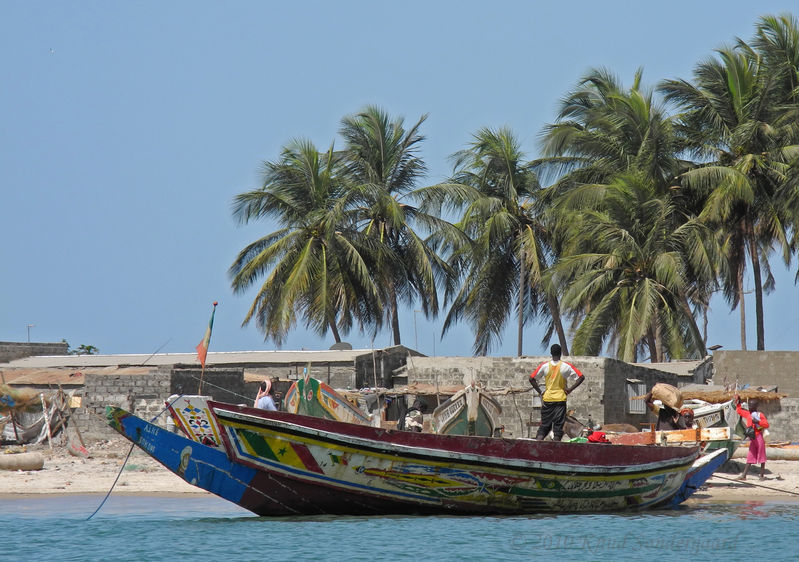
(63, 376)
(679, 368)
(213, 358)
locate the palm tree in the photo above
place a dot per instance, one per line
(624, 272)
(314, 262)
(382, 167)
(605, 132)
(777, 41)
(603, 129)
(507, 253)
(732, 122)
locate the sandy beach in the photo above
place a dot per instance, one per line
(64, 474)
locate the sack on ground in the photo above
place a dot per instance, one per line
(669, 395)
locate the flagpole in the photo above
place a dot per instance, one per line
(202, 374)
(202, 348)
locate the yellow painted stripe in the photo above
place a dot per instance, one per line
(454, 463)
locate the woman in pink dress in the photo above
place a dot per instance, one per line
(757, 445)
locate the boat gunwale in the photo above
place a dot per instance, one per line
(445, 455)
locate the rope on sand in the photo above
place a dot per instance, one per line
(758, 485)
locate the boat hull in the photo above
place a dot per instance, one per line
(275, 464)
(204, 466)
(702, 469)
(331, 467)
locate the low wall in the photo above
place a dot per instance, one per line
(337, 375)
(141, 394)
(602, 398)
(758, 368)
(506, 379)
(17, 350)
(783, 419)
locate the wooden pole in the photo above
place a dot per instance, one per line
(47, 421)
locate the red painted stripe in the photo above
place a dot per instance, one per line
(306, 457)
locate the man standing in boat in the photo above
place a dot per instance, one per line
(560, 379)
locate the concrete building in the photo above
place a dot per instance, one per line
(141, 383)
(611, 393)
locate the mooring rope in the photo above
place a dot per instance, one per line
(127, 457)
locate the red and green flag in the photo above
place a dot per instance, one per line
(202, 347)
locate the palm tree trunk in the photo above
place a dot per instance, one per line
(658, 340)
(554, 311)
(761, 337)
(699, 337)
(520, 334)
(331, 321)
(741, 305)
(395, 329)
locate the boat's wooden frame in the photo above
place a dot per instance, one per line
(277, 463)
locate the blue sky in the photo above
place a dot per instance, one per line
(128, 127)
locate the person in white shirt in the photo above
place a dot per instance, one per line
(264, 398)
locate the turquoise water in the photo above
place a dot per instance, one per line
(206, 528)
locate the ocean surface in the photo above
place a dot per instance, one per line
(206, 528)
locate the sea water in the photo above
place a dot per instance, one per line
(207, 528)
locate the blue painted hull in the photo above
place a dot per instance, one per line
(200, 465)
(704, 467)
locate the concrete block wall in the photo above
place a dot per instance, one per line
(758, 368)
(337, 375)
(783, 419)
(602, 398)
(223, 384)
(506, 379)
(142, 394)
(17, 350)
(616, 399)
(380, 366)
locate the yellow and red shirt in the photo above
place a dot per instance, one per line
(556, 376)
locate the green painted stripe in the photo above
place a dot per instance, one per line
(258, 444)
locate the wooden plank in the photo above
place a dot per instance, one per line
(675, 436)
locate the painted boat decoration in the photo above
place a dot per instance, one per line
(277, 463)
(193, 417)
(707, 414)
(470, 411)
(311, 397)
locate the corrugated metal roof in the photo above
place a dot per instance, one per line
(213, 358)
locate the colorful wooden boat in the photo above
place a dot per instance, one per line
(311, 397)
(277, 463)
(724, 414)
(468, 412)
